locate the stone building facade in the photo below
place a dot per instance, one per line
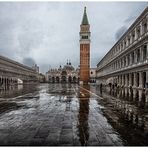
(84, 50)
(65, 74)
(126, 64)
(12, 72)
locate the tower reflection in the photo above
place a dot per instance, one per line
(83, 127)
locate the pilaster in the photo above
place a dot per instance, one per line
(141, 29)
(141, 54)
(147, 50)
(130, 59)
(126, 60)
(135, 33)
(126, 83)
(141, 79)
(147, 21)
(135, 80)
(130, 79)
(135, 56)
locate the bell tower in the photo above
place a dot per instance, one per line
(84, 49)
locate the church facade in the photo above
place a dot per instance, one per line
(82, 75)
(65, 74)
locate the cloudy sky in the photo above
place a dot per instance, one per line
(47, 33)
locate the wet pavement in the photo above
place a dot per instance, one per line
(69, 115)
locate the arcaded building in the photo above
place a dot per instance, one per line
(126, 64)
(65, 74)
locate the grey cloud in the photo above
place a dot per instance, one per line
(29, 61)
(48, 32)
(120, 32)
(130, 19)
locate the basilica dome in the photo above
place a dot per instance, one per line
(68, 66)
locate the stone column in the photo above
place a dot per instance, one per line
(120, 47)
(123, 45)
(147, 50)
(146, 76)
(135, 85)
(135, 80)
(130, 63)
(123, 62)
(135, 56)
(123, 80)
(126, 60)
(130, 84)
(141, 29)
(135, 33)
(147, 21)
(130, 79)
(146, 90)
(141, 54)
(140, 91)
(141, 79)
(126, 85)
(120, 80)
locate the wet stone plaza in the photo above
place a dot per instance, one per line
(70, 115)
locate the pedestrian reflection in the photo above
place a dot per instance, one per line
(20, 86)
(83, 127)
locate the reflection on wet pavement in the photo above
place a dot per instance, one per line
(68, 115)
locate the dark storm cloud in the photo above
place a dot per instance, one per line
(47, 33)
(120, 32)
(130, 19)
(29, 61)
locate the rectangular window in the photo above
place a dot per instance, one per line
(84, 37)
(144, 53)
(145, 27)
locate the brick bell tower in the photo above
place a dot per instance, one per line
(84, 49)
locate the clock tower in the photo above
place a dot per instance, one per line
(84, 49)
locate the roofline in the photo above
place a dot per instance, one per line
(15, 62)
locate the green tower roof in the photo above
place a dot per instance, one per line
(85, 19)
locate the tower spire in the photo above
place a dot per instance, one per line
(85, 19)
